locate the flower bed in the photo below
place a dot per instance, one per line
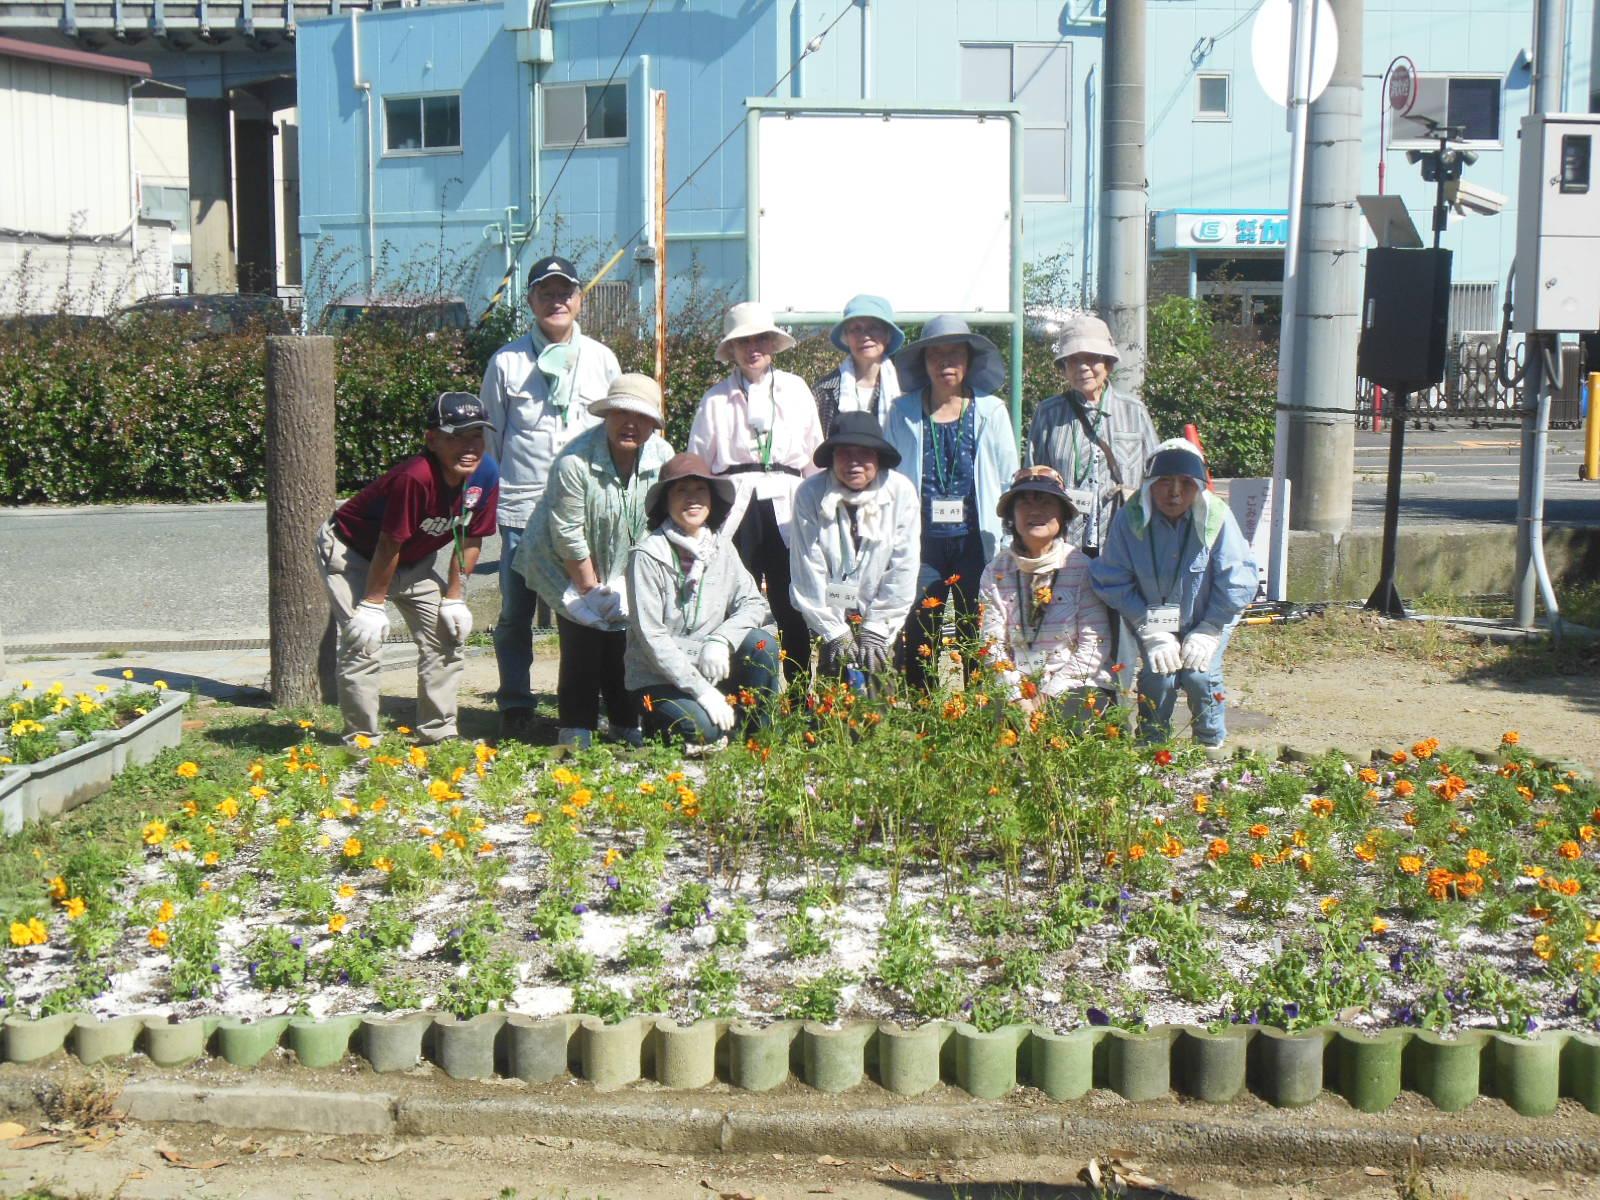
(57, 752)
(863, 859)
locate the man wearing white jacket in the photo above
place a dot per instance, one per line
(855, 548)
(537, 391)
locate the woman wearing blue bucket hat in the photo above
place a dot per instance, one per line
(866, 380)
(956, 445)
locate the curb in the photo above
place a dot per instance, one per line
(795, 1122)
(1287, 1070)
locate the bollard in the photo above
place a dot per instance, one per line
(1591, 433)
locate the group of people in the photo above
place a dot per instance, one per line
(832, 529)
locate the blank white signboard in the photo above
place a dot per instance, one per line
(916, 209)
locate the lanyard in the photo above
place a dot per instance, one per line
(683, 582)
(943, 469)
(847, 540)
(1030, 615)
(1177, 567)
(763, 445)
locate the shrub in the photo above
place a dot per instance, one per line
(1196, 373)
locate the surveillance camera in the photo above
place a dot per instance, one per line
(1469, 197)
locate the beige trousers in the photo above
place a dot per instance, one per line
(416, 591)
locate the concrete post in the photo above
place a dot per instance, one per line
(1321, 451)
(210, 198)
(300, 495)
(1123, 237)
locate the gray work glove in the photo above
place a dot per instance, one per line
(872, 652)
(835, 656)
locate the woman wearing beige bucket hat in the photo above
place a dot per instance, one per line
(575, 554)
(1097, 438)
(760, 425)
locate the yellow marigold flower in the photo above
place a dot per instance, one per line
(484, 752)
(21, 935)
(647, 789)
(378, 805)
(562, 777)
(1533, 872)
(165, 913)
(533, 818)
(417, 757)
(1477, 858)
(127, 672)
(211, 858)
(1379, 926)
(1561, 788)
(1172, 847)
(1365, 852)
(612, 856)
(188, 769)
(1410, 864)
(75, 907)
(228, 807)
(158, 938)
(58, 889)
(1298, 839)
(283, 822)
(485, 847)
(384, 864)
(1327, 904)
(1008, 737)
(435, 849)
(327, 814)
(1257, 862)
(362, 741)
(258, 770)
(346, 890)
(583, 797)
(1544, 946)
(336, 922)
(352, 848)
(1306, 862)
(324, 841)
(155, 832)
(1201, 802)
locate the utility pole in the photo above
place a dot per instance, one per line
(1124, 272)
(1322, 376)
(1549, 22)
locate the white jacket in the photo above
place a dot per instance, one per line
(528, 433)
(885, 574)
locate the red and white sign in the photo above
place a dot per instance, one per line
(1402, 85)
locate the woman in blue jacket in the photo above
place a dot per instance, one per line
(958, 448)
(1178, 570)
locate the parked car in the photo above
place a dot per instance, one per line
(214, 315)
(414, 314)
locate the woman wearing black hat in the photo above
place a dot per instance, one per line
(853, 556)
(1043, 625)
(697, 627)
(959, 450)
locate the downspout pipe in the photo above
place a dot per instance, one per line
(364, 86)
(866, 49)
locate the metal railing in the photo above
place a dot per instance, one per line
(1473, 394)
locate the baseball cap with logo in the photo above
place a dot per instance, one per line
(456, 412)
(553, 267)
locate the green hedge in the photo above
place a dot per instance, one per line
(148, 411)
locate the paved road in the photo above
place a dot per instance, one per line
(198, 572)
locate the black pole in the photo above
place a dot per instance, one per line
(1385, 597)
(1441, 212)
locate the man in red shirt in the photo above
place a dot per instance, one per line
(381, 545)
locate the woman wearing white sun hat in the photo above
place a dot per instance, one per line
(760, 425)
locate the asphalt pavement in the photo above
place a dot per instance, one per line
(187, 574)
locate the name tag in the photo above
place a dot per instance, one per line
(843, 596)
(1082, 499)
(949, 512)
(1163, 618)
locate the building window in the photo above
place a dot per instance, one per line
(585, 114)
(1469, 104)
(422, 124)
(158, 202)
(1211, 97)
(1038, 77)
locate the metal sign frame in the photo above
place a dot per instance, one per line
(1012, 113)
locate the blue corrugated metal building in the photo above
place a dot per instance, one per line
(433, 135)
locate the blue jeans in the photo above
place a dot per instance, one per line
(673, 714)
(1159, 693)
(513, 632)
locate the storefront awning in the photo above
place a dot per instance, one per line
(1221, 229)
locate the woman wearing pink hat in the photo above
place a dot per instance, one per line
(760, 424)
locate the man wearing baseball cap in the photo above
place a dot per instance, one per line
(536, 391)
(381, 545)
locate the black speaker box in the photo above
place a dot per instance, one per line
(1405, 318)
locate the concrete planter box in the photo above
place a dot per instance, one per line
(759, 1059)
(1447, 1071)
(44, 790)
(1286, 1068)
(1212, 1066)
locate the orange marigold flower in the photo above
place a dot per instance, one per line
(1367, 775)
(1257, 862)
(1469, 884)
(1405, 788)
(1569, 887)
(1163, 758)
(1410, 864)
(1259, 831)
(1440, 882)
(1112, 858)
(1586, 833)
(1008, 737)
(1327, 904)
(158, 938)
(1477, 858)
(1113, 732)
(1569, 850)
(1425, 749)
(1028, 689)
(1217, 848)
(1321, 806)
(1410, 818)
(1510, 737)
(1365, 852)
(1135, 852)
(1172, 847)
(1450, 787)
(1398, 758)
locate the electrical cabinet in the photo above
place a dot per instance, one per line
(1558, 224)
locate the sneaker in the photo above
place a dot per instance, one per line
(517, 725)
(633, 737)
(1214, 751)
(577, 738)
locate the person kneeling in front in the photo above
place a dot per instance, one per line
(1177, 568)
(381, 545)
(856, 548)
(699, 628)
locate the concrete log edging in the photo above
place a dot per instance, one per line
(1531, 1074)
(46, 789)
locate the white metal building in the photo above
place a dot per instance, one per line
(71, 238)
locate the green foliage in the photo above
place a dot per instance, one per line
(1229, 390)
(276, 959)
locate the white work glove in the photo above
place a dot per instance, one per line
(367, 627)
(579, 609)
(1161, 653)
(716, 660)
(456, 618)
(1199, 649)
(608, 603)
(717, 708)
